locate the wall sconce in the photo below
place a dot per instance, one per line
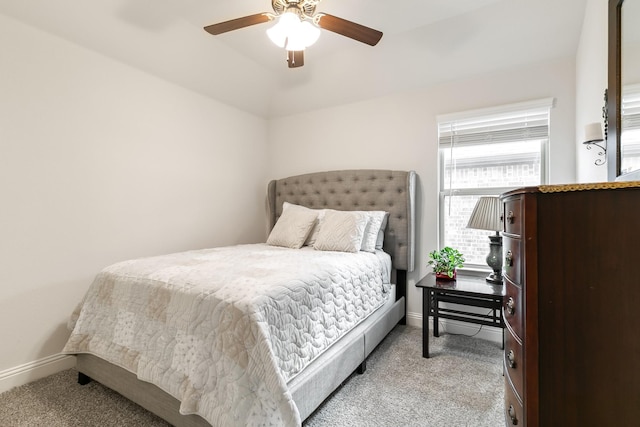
(593, 137)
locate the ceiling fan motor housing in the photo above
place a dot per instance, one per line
(305, 8)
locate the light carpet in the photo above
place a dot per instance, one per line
(460, 385)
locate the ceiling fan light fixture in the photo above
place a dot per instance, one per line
(293, 34)
(309, 33)
(286, 23)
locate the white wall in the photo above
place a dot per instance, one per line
(591, 82)
(400, 132)
(99, 163)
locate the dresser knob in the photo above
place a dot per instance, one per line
(508, 259)
(512, 415)
(511, 306)
(511, 218)
(511, 356)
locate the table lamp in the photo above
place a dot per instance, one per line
(486, 216)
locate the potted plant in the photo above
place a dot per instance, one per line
(445, 262)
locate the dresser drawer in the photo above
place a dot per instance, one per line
(512, 307)
(513, 364)
(513, 410)
(512, 263)
(513, 216)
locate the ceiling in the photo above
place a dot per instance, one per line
(425, 42)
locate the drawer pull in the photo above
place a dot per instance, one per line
(511, 306)
(511, 356)
(511, 218)
(512, 415)
(508, 259)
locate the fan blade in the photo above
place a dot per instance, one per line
(349, 29)
(236, 24)
(295, 58)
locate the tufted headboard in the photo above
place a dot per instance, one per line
(384, 190)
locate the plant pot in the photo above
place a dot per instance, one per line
(445, 276)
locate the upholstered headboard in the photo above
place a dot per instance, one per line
(384, 190)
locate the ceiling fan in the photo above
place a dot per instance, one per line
(299, 27)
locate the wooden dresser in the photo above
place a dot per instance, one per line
(572, 305)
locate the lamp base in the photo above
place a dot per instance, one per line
(494, 278)
(494, 259)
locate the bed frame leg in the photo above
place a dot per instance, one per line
(401, 291)
(83, 379)
(362, 367)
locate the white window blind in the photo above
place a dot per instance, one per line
(630, 128)
(510, 127)
(630, 108)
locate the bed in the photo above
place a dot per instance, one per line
(267, 386)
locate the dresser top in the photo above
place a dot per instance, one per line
(565, 188)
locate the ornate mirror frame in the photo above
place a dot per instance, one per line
(614, 92)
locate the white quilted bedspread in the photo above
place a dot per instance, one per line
(223, 330)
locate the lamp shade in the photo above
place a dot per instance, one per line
(593, 133)
(486, 214)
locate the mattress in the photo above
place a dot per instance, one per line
(223, 330)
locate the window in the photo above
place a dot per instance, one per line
(630, 123)
(485, 153)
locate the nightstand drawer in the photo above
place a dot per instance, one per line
(513, 216)
(514, 364)
(512, 263)
(513, 410)
(512, 307)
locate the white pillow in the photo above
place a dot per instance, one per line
(292, 228)
(374, 223)
(341, 231)
(383, 227)
(313, 234)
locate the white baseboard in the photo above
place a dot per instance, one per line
(488, 333)
(23, 374)
(414, 319)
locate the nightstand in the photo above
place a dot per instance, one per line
(466, 291)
